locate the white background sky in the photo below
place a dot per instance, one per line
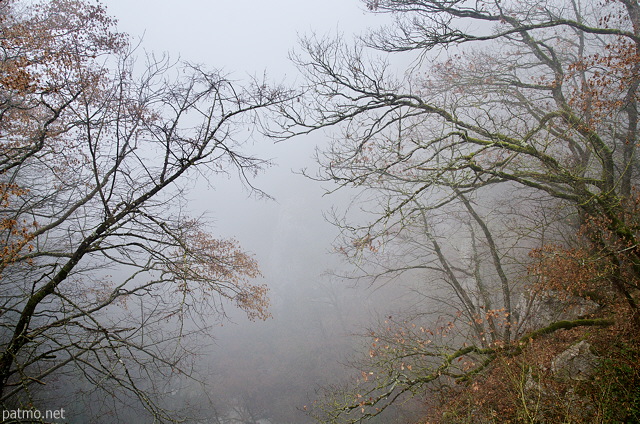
(237, 35)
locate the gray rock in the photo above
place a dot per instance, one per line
(576, 363)
(541, 310)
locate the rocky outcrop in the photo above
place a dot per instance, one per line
(576, 363)
(540, 310)
(546, 398)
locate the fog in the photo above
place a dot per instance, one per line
(267, 372)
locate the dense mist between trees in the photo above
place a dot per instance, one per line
(384, 211)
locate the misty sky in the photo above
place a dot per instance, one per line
(246, 38)
(238, 36)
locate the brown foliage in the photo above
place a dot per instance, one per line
(524, 388)
(16, 235)
(207, 265)
(604, 267)
(610, 78)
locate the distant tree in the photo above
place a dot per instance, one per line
(104, 275)
(464, 259)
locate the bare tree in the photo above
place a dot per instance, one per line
(540, 95)
(104, 276)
